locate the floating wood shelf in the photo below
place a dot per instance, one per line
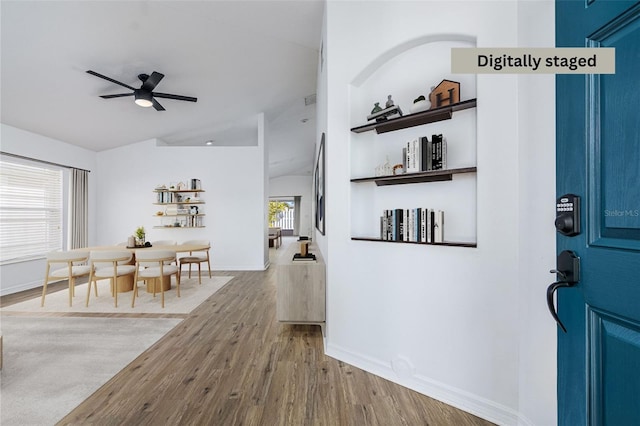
(178, 190)
(446, 243)
(180, 202)
(432, 176)
(416, 119)
(176, 227)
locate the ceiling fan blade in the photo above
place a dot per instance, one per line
(110, 79)
(152, 81)
(176, 97)
(119, 95)
(157, 105)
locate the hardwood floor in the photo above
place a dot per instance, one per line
(230, 362)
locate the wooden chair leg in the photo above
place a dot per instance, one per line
(89, 288)
(177, 283)
(115, 289)
(44, 291)
(44, 287)
(199, 275)
(135, 288)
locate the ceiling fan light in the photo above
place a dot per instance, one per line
(143, 99)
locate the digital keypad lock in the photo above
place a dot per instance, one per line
(568, 215)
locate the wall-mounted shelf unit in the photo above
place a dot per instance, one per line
(182, 208)
(370, 204)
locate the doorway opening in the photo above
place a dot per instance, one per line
(284, 213)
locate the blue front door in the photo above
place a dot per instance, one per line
(598, 158)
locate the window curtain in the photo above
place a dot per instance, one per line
(296, 215)
(79, 209)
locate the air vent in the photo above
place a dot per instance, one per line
(310, 100)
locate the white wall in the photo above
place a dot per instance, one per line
(296, 186)
(121, 196)
(446, 321)
(536, 104)
(24, 275)
(235, 197)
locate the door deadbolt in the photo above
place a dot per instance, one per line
(568, 215)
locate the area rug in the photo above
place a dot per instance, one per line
(52, 364)
(192, 294)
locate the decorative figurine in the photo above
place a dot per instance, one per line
(389, 102)
(446, 93)
(383, 114)
(420, 104)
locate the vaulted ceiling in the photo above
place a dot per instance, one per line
(239, 58)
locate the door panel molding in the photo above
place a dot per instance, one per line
(614, 197)
(613, 341)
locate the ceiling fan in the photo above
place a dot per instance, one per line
(144, 96)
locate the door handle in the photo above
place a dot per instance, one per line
(552, 309)
(568, 274)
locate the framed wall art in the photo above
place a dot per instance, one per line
(319, 186)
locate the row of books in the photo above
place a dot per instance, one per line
(166, 197)
(194, 221)
(182, 222)
(422, 154)
(420, 225)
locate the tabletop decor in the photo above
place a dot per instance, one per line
(140, 236)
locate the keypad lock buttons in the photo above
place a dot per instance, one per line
(568, 215)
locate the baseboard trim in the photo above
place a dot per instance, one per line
(463, 400)
(22, 287)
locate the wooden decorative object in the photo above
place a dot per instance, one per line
(445, 93)
(304, 248)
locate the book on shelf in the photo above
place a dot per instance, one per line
(438, 152)
(398, 225)
(413, 156)
(425, 151)
(438, 227)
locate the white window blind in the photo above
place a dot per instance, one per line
(30, 211)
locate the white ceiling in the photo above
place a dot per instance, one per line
(239, 58)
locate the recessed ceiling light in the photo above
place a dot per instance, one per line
(209, 142)
(304, 120)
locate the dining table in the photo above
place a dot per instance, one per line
(125, 283)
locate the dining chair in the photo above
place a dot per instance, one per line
(73, 269)
(197, 257)
(112, 265)
(161, 268)
(160, 243)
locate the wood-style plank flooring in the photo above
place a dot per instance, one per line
(230, 362)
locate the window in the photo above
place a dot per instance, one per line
(30, 210)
